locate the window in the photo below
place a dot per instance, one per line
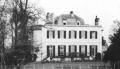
(50, 50)
(61, 50)
(83, 50)
(72, 50)
(93, 34)
(58, 34)
(83, 34)
(64, 34)
(50, 34)
(56, 21)
(78, 22)
(72, 34)
(93, 50)
(61, 34)
(64, 22)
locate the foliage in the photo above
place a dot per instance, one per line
(20, 55)
(112, 54)
(98, 57)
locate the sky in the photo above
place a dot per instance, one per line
(106, 10)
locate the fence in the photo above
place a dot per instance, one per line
(67, 65)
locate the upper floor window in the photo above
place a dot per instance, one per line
(61, 34)
(93, 50)
(72, 34)
(83, 34)
(61, 50)
(50, 34)
(93, 34)
(50, 50)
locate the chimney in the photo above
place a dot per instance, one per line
(47, 16)
(71, 13)
(97, 21)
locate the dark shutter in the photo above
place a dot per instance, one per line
(96, 34)
(48, 54)
(96, 49)
(53, 51)
(47, 34)
(69, 34)
(69, 50)
(58, 50)
(53, 34)
(85, 50)
(58, 34)
(90, 34)
(79, 34)
(64, 50)
(75, 50)
(80, 50)
(75, 34)
(64, 34)
(90, 51)
(85, 34)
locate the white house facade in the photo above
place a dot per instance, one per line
(68, 37)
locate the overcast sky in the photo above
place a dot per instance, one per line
(106, 10)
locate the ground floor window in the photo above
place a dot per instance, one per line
(61, 50)
(51, 50)
(83, 50)
(93, 50)
(72, 50)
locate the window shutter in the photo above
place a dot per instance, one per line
(69, 34)
(85, 34)
(90, 34)
(47, 34)
(69, 50)
(48, 54)
(75, 50)
(64, 34)
(53, 34)
(85, 50)
(96, 34)
(75, 34)
(58, 34)
(80, 50)
(64, 50)
(53, 51)
(90, 51)
(96, 49)
(58, 50)
(79, 34)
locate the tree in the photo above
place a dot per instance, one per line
(3, 33)
(112, 54)
(22, 17)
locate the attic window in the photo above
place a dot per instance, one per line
(64, 22)
(78, 22)
(56, 22)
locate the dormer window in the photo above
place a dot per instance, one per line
(56, 22)
(78, 22)
(64, 22)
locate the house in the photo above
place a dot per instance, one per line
(68, 38)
